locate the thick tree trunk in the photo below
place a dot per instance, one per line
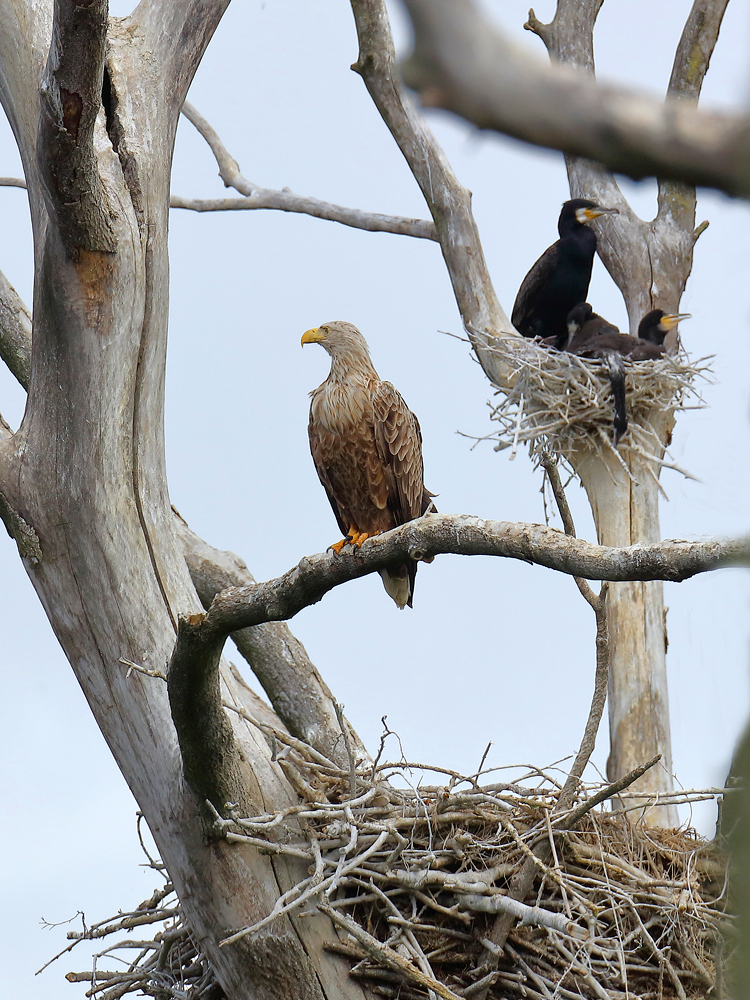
(625, 513)
(86, 470)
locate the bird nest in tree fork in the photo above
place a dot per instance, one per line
(417, 882)
(559, 401)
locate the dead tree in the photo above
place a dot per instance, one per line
(94, 105)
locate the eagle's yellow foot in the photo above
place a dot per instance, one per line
(363, 537)
(351, 539)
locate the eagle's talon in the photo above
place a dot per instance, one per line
(338, 546)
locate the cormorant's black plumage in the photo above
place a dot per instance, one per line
(560, 278)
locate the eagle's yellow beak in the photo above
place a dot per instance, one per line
(314, 336)
(670, 322)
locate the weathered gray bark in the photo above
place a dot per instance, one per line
(86, 468)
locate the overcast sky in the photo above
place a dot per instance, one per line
(492, 651)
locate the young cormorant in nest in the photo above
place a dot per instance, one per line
(655, 325)
(591, 336)
(559, 280)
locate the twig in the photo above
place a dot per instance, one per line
(577, 814)
(339, 710)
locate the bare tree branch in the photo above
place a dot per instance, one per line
(286, 201)
(15, 332)
(463, 534)
(448, 201)
(696, 46)
(71, 99)
(193, 676)
(677, 200)
(599, 606)
(465, 64)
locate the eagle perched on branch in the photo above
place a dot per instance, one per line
(367, 448)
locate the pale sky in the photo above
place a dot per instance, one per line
(492, 651)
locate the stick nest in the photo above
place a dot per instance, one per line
(561, 402)
(417, 881)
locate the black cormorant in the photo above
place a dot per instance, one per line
(560, 278)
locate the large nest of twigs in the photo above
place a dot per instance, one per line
(559, 401)
(419, 883)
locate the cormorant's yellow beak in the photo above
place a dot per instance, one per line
(314, 336)
(594, 213)
(671, 321)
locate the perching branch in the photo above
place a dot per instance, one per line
(71, 97)
(463, 534)
(448, 201)
(462, 62)
(193, 671)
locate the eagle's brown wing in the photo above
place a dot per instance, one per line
(399, 449)
(321, 449)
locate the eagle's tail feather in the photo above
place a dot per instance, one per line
(399, 583)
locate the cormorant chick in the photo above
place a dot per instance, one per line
(656, 325)
(584, 325)
(559, 280)
(593, 337)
